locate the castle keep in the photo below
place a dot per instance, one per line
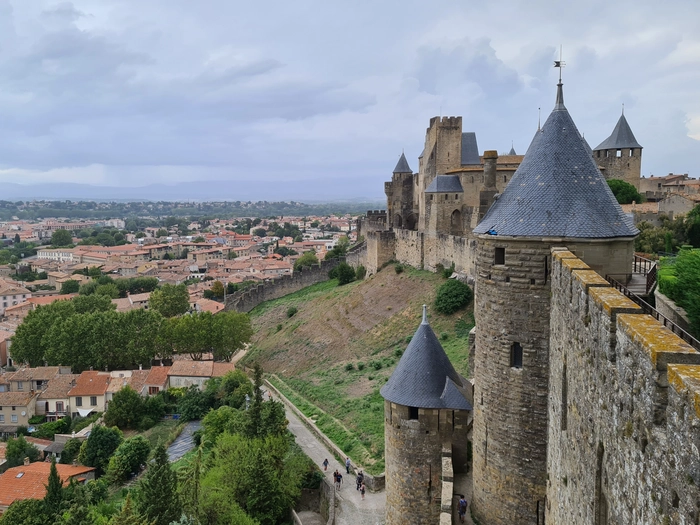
(585, 409)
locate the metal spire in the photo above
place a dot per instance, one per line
(425, 314)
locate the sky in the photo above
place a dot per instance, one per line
(274, 95)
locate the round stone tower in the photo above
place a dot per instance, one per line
(425, 419)
(557, 197)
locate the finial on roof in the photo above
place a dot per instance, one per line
(539, 119)
(623, 108)
(425, 314)
(560, 63)
(560, 91)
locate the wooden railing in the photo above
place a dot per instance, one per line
(650, 310)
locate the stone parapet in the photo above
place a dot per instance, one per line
(623, 403)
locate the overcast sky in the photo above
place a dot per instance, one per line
(129, 93)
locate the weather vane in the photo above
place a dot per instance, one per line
(560, 64)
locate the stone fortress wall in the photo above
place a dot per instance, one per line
(246, 300)
(624, 408)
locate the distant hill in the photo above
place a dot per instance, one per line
(364, 324)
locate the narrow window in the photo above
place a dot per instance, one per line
(516, 355)
(600, 516)
(78, 401)
(631, 152)
(619, 153)
(93, 401)
(546, 268)
(500, 256)
(564, 399)
(412, 412)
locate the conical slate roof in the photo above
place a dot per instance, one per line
(622, 137)
(470, 150)
(402, 166)
(557, 191)
(424, 377)
(445, 184)
(512, 151)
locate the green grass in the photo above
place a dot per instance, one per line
(302, 295)
(164, 432)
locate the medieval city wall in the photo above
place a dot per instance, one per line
(246, 300)
(624, 408)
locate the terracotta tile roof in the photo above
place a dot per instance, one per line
(29, 481)
(48, 299)
(158, 376)
(41, 443)
(191, 368)
(135, 381)
(59, 386)
(221, 369)
(39, 373)
(91, 383)
(15, 399)
(4, 336)
(207, 305)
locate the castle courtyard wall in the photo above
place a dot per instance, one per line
(624, 409)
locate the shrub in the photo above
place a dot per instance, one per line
(360, 273)
(408, 339)
(377, 365)
(345, 273)
(452, 296)
(399, 268)
(462, 328)
(279, 327)
(447, 272)
(349, 367)
(360, 365)
(291, 311)
(398, 352)
(444, 336)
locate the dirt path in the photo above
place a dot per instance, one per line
(351, 509)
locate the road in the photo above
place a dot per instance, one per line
(183, 443)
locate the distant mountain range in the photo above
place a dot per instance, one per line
(308, 191)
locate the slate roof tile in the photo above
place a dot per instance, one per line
(621, 137)
(557, 191)
(445, 184)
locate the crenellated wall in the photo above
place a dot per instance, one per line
(246, 300)
(623, 405)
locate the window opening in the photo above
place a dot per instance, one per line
(516, 355)
(500, 256)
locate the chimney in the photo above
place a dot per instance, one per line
(26, 461)
(490, 158)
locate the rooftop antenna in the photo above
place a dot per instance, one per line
(560, 63)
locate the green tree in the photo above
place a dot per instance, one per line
(54, 491)
(127, 459)
(17, 239)
(70, 286)
(99, 447)
(260, 232)
(109, 290)
(344, 273)
(18, 449)
(61, 238)
(170, 300)
(28, 345)
(452, 295)
(624, 192)
(307, 260)
(158, 499)
(125, 410)
(217, 288)
(85, 304)
(25, 512)
(127, 515)
(70, 451)
(189, 486)
(162, 232)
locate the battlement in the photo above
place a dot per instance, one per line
(446, 122)
(624, 405)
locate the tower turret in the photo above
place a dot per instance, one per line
(399, 194)
(425, 408)
(557, 197)
(620, 155)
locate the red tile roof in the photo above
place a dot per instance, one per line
(158, 376)
(29, 481)
(91, 383)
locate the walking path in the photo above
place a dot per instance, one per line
(351, 509)
(183, 443)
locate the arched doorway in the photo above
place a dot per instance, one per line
(411, 221)
(397, 220)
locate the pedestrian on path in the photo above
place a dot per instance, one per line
(335, 478)
(347, 465)
(359, 480)
(362, 490)
(339, 481)
(462, 507)
(325, 464)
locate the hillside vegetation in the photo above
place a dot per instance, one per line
(330, 348)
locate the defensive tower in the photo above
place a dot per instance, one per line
(424, 408)
(399, 193)
(620, 154)
(558, 197)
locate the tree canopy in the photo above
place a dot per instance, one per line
(170, 300)
(624, 192)
(61, 238)
(307, 260)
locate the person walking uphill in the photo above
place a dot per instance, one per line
(347, 465)
(325, 464)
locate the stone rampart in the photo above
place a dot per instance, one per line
(246, 300)
(624, 408)
(357, 255)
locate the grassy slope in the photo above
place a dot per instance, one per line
(366, 325)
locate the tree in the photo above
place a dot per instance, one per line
(170, 300)
(451, 296)
(344, 273)
(127, 516)
(624, 192)
(217, 288)
(260, 232)
(70, 451)
(189, 476)
(308, 259)
(162, 232)
(110, 290)
(99, 447)
(158, 498)
(17, 239)
(85, 304)
(17, 450)
(70, 286)
(125, 410)
(61, 238)
(54, 490)
(199, 239)
(25, 512)
(127, 459)
(28, 345)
